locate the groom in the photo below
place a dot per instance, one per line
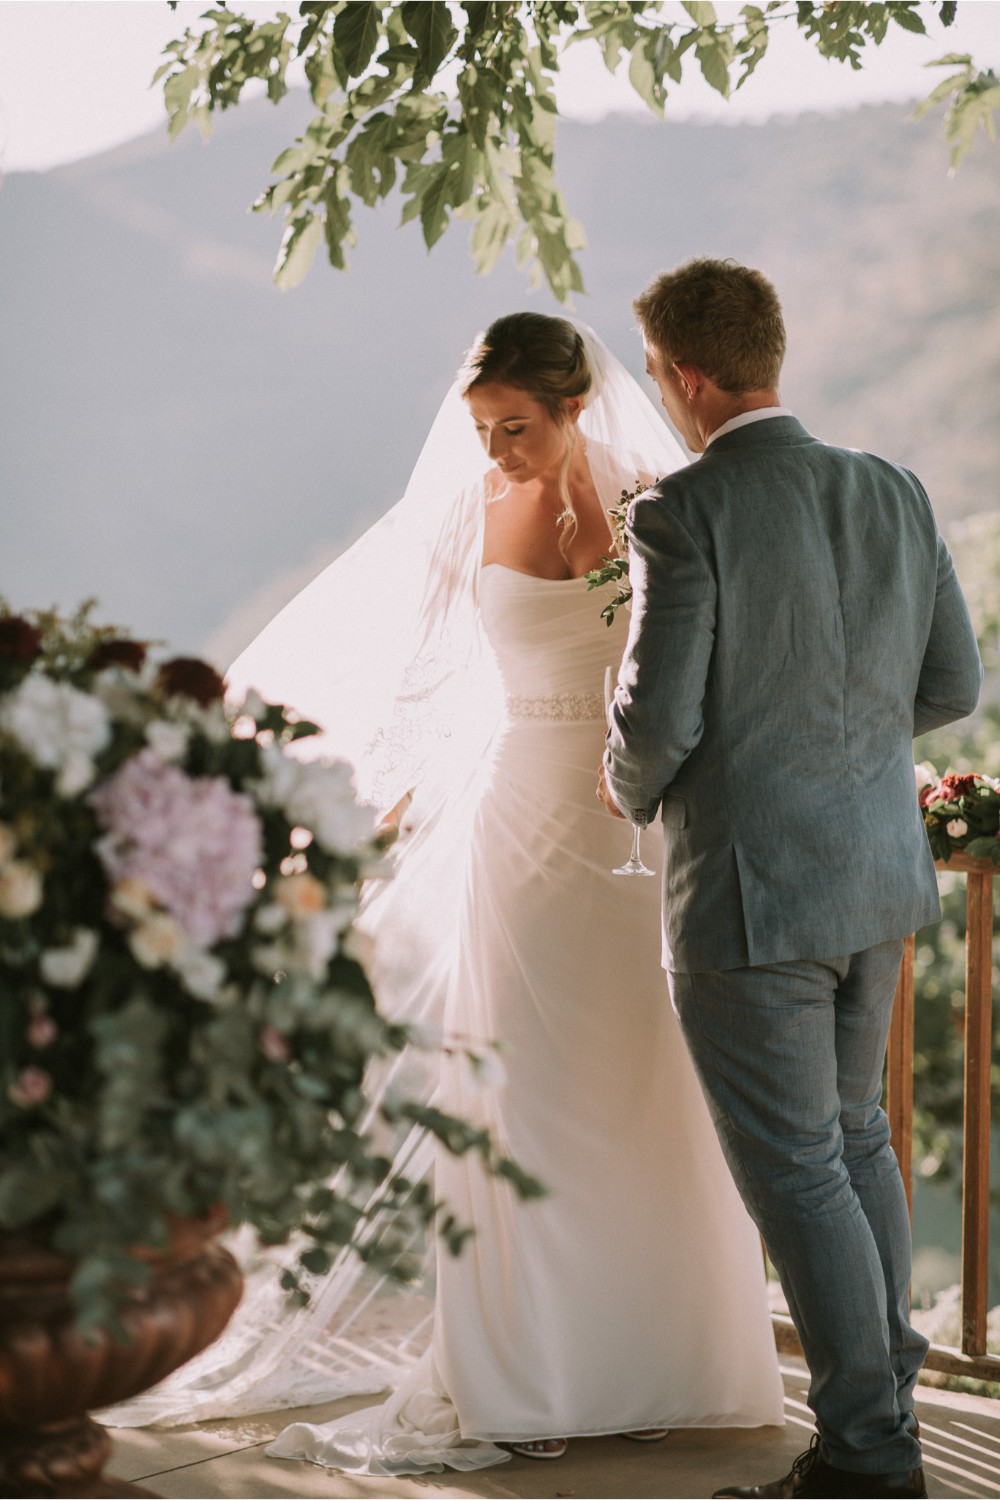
(796, 620)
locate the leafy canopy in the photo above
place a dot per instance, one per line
(455, 103)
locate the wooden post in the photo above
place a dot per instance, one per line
(899, 1075)
(978, 1057)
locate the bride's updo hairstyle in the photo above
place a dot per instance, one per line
(544, 357)
(534, 353)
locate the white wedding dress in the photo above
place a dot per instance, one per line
(633, 1295)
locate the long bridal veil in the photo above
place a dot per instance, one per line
(385, 651)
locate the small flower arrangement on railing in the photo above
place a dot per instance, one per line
(961, 813)
(185, 1018)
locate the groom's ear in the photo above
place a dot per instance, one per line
(689, 379)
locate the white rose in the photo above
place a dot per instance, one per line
(52, 720)
(269, 959)
(317, 938)
(170, 741)
(924, 775)
(75, 774)
(212, 721)
(156, 941)
(65, 968)
(270, 919)
(957, 828)
(8, 844)
(316, 943)
(21, 890)
(119, 691)
(320, 796)
(202, 973)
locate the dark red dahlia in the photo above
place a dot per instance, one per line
(19, 639)
(189, 677)
(950, 788)
(117, 653)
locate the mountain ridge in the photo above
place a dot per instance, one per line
(182, 440)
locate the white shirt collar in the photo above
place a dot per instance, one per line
(744, 419)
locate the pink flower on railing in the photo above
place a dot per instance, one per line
(961, 812)
(194, 844)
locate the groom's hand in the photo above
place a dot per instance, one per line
(605, 795)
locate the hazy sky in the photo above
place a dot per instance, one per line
(74, 74)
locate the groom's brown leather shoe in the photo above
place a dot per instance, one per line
(811, 1475)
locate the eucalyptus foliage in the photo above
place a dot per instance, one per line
(455, 105)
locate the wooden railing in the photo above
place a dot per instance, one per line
(971, 1358)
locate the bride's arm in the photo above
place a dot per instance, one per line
(387, 827)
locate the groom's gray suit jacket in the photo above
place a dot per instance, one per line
(796, 619)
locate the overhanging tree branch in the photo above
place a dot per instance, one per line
(456, 103)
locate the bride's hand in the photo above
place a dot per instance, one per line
(387, 828)
(604, 794)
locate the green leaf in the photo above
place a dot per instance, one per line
(494, 225)
(298, 249)
(292, 159)
(986, 847)
(944, 90)
(316, 1260)
(356, 32)
(908, 18)
(948, 11)
(642, 77)
(715, 53)
(27, 1193)
(702, 12)
(371, 165)
(973, 107)
(177, 93)
(431, 28)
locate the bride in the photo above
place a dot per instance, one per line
(458, 656)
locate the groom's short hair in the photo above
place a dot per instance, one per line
(720, 316)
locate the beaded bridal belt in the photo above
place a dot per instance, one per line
(558, 706)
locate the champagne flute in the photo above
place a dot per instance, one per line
(633, 865)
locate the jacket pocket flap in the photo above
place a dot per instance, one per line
(674, 812)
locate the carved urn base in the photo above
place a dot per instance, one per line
(51, 1376)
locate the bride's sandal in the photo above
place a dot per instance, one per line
(647, 1435)
(545, 1448)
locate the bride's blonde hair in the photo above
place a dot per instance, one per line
(544, 357)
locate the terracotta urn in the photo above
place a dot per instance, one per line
(51, 1376)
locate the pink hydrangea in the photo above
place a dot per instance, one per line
(192, 841)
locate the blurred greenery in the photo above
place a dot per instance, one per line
(971, 745)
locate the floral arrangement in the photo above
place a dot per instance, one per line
(615, 567)
(186, 1016)
(961, 812)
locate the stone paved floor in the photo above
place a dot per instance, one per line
(961, 1438)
